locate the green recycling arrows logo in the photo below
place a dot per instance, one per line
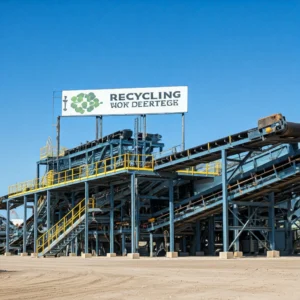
(85, 102)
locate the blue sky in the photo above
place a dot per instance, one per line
(240, 60)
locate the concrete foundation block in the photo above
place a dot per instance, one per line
(86, 255)
(24, 254)
(200, 253)
(111, 255)
(133, 255)
(72, 254)
(226, 255)
(273, 254)
(238, 254)
(34, 255)
(7, 254)
(172, 254)
(184, 254)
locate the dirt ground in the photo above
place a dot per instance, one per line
(149, 278)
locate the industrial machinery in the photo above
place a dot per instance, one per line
(120, 194)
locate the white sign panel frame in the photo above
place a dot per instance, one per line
(127, 101)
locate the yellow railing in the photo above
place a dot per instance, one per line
(83, 172)
(63, 225)
(210, 169)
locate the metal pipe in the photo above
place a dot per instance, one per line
(225, 200)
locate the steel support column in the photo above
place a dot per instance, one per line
(97, 128)
(38, 174)
(101, 127)
(7, 225)
(211, 235)
(73, 199)
(123, 244)
(111, 217)
(97, 243)
(236, 232)
(137, 221)
(86, 229)
(25, 225)
(198, 236)
(171, 212)
(133, 199)
(151, 244)
(184, 243)
(35, 222)
(272, 221)
(48, 199)
(225, 201)
(182, 132)
(57, 142)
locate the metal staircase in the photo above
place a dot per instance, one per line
(65, 230)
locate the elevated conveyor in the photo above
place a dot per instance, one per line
(272, 130)
(279, 175)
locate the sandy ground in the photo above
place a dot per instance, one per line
(149, 278)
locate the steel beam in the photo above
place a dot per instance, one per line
(225, 201)
(211, 235)
(35, 222)
(236, 231)
(123, 244)
(272, 221)
(25, 225)
(182, 132)
(111, 226)
(97, 243)
(86, 221)
(171, 212)
(151, 244)
(198, 236)
(184, 243)
(7, 225)
(133, 199)
(48, 199)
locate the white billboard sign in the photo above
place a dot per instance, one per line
(136, 101)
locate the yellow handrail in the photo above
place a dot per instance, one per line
(110, 165)
(210, 169)
(83, 172)
(62, 225)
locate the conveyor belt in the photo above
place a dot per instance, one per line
(125, 134)
(278, 132)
